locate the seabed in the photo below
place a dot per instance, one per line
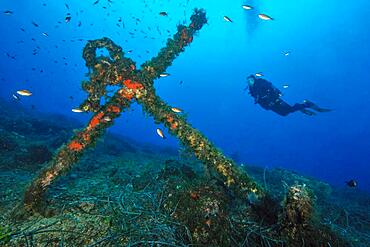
(125, 193)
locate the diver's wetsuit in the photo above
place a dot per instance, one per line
(268, 96)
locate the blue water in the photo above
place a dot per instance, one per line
(329, 64)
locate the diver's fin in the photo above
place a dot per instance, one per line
(315, 107)
(319, 109)
(308, 112)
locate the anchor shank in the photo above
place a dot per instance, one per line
(152, 69)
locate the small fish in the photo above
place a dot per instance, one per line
(96, 2)
(163, 13)
(265, 17)
(208, 222)
(285, 86)
(259, 74)
(287, 53)
(247, 7)
(35, 24)
(351, 183)
(227, 19)
(160, 133)
(164, 75)
(15, 97)
(176, 110)
(8, 12)
(24, 92)
(68, 18)
(67, 6)
(107, 119)
(77, 110)
(10, 56)
(45, 34)
(79, 24)
(106, 62)
(22, 29)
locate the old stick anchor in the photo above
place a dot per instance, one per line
(135, 85)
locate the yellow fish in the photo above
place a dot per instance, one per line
(160, 133)
(265, 17)
(24, 92)
(176, 110)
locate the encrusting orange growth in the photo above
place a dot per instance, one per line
(172, 122)
(96, 120)
(185, 37)
(125, 94)
(119, 78)
(114, 109)
(184, 34)
(174, 125)
(132, 85)
(86, 137)
(169, 119)
(75, 146)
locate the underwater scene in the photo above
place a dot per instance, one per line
(185, 123)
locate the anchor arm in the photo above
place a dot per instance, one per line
(69, 154)
(233, 177)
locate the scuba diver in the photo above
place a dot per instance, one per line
(268, 96)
